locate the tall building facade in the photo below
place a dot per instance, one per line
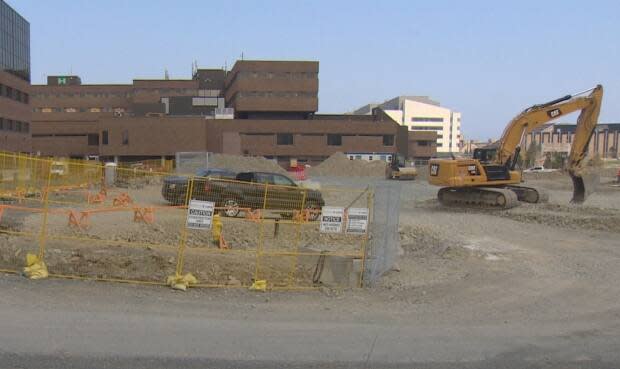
(420, 113)
(15, 112)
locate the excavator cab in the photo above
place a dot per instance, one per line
(485, 155)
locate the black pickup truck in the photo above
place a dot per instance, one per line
(247, 192)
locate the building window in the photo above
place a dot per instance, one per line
(125, 137)
(388, 140)
(426, 128)
(93, 139)
(334, 140)
(18, 126)
(25, 127)
(285, 138)
(104, 137)
(358, 157)
(426, 119)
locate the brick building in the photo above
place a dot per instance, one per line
(556, 137)
(15, 112)
(263, 108)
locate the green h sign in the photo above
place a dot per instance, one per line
(62, 80)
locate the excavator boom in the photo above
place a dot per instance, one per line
(586, 124)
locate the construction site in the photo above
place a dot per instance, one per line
(331, 185)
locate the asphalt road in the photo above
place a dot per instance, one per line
(73, 324)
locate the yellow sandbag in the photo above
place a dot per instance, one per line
(181, 282)
(35, 268)
(260, 285)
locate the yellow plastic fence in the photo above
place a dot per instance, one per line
(82, 219)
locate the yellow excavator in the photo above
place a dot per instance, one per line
(490, 178)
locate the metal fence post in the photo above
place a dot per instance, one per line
(183, 240)
(46, 192)
(369, 203)
(259, 247)
(298, 223)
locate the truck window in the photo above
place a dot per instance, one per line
(282, 181)
(245, 177)
(264, 178)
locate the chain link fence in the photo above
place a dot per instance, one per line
(384, 248)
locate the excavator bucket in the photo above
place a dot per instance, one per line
(579, 190)
(583, 185)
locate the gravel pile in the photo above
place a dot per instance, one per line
(245, 163)
(339, 165)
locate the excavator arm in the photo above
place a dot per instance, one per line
(537, 115)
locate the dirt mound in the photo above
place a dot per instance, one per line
(339, 165)
(245, 163)
(566, 216)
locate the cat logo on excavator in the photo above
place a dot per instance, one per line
(554, 113)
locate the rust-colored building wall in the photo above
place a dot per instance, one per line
(15, 111)
(259, 137)
(66, 139)
(152, 136)
(422, 144)
(260, 86)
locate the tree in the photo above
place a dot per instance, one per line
(547, 163)
(531, 155)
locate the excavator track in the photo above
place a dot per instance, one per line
(485, 197)
(529, 194)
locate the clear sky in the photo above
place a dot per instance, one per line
(486, 59)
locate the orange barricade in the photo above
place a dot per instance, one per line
(253, 215)
(122, 200)
(144, 215)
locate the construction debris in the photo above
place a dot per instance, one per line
(245, 163)
(339, 165)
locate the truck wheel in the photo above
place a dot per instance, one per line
(231, 208)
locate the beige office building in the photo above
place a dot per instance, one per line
(420, 113)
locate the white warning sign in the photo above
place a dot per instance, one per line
(357, 220)
(331, 219)
(200, 214)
